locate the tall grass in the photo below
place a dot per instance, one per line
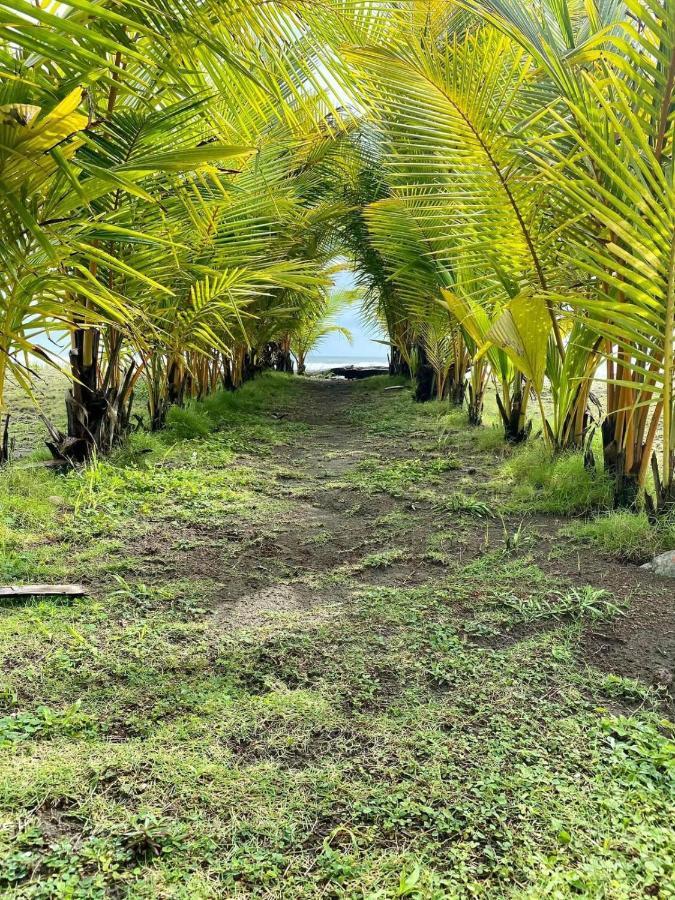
(559, 484)
(625, 536)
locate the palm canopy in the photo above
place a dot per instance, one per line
(179, 177)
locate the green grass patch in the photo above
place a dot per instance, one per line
(188, 422)
(536, 481)
(396, 478)
(491, 439)
(624, 535)
(458, 502)
(432, 739)
(383, 559)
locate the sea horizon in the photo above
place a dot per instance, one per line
(319, 362)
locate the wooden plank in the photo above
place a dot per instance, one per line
(45, 590)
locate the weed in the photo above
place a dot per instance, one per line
(622, 688)
(147, 835)
(45, 723)
(459, 502)
(180, 597)
(588, 602)
(381, 560)
(624, 535)
(518, 539)
(560, 484)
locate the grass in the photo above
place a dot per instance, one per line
(29, 504)
(624, 535)
(397, 478)
(393, 745)
(491, 439)
(563, 485)
(458, 502)
(435, 736)
(26, 429)
(383, 559)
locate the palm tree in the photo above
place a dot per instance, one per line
(130, 216)
(609, 167)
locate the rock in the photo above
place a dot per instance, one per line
(664, 677)
(663, 565)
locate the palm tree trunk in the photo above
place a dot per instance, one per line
(424, 376)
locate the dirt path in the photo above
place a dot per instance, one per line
(362, 500)
(317, 663)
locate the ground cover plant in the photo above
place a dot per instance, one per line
(371, 639)
(243, 708)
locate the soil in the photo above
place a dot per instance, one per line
(261, 573)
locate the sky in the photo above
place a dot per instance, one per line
(363, 347)
(333, 348)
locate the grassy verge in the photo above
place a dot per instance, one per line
(624, 535)
(288, 682)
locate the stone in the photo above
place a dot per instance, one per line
(664, 564)
(663, 677)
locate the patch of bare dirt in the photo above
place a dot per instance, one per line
(263, 606)
(263, 572)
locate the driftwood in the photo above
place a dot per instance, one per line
(351, 372)
(44, 590)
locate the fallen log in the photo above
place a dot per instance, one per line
(43, 590)
(352, 372)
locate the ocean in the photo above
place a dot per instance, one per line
(319, 363)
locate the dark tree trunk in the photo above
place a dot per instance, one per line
(514, 432)
(456, 388)
(275, 356)
(663, 502)
(158, 417)
(98, 412)
(424, 377)
(179, 384)
(397, 365)
(6, 445)
(267, 356)
(625, 483)
(228, 380)
(86, 403)
(249, 366)
(284, 362)
(475, 407)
